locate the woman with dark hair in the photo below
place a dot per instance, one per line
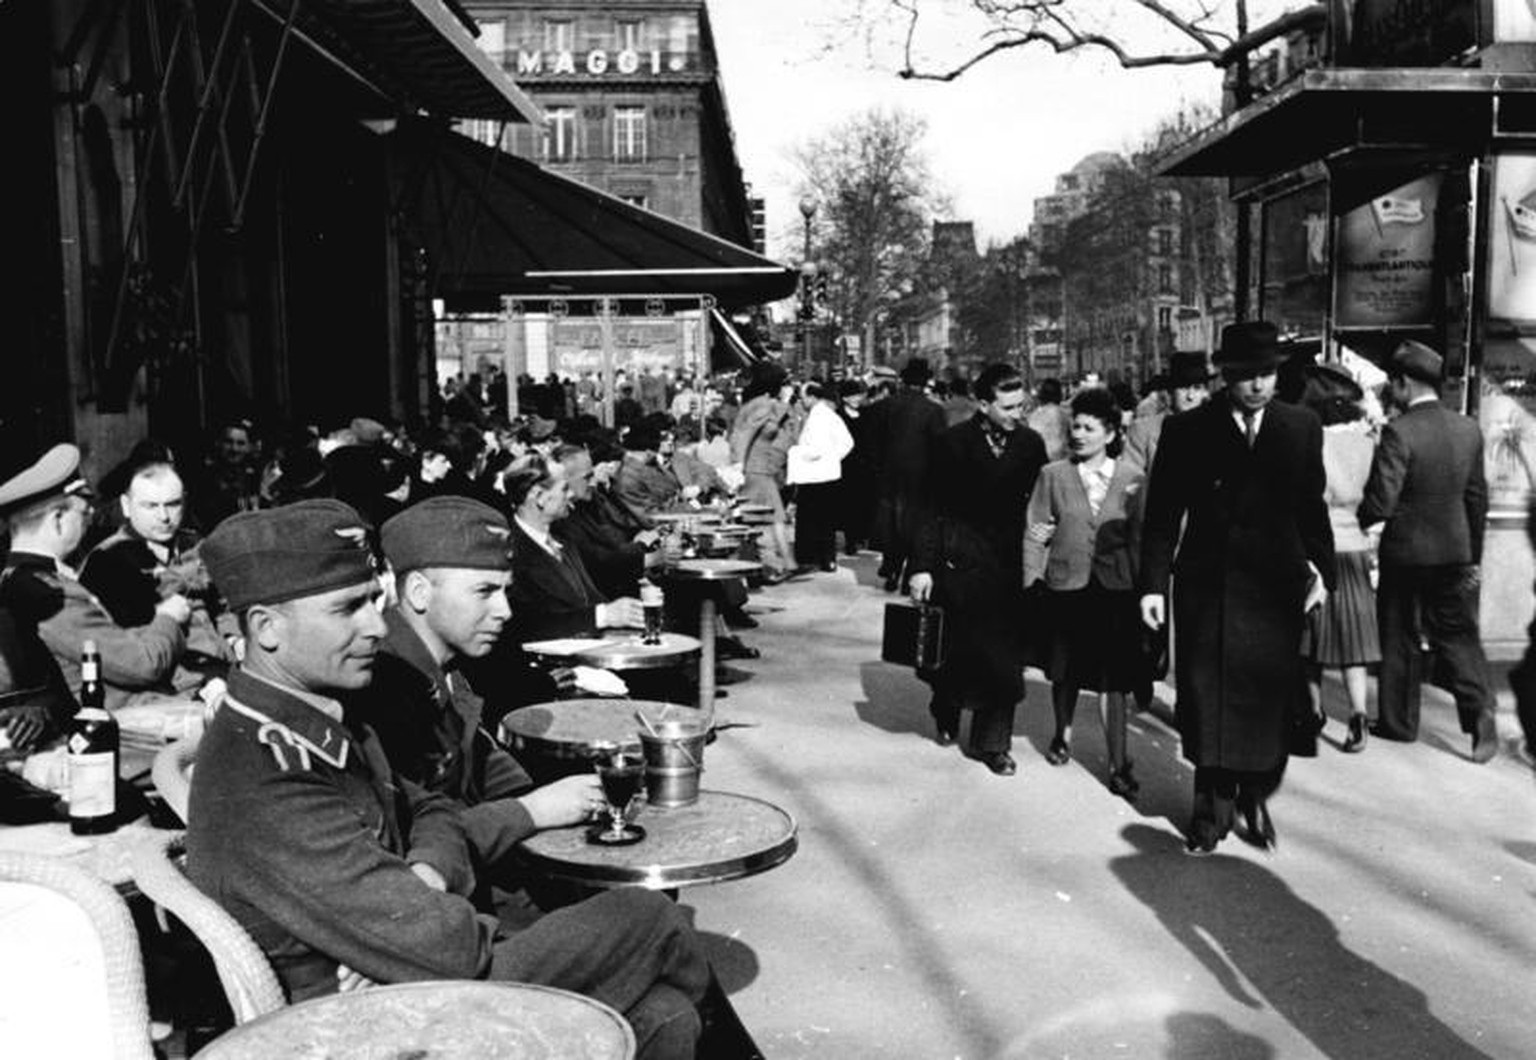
(1342, 633)
(1081, 542)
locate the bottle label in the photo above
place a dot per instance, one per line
(92, 783)
(90, 670)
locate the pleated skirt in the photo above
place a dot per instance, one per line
(1343, 631)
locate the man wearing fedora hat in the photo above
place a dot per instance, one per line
(1427, 488)
(1236, 521)
(1187, 386)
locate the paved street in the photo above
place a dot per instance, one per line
(937, 911)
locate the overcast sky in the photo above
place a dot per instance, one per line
(997, 137)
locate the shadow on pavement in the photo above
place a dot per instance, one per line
(894, 700)
(1269, 948)
(1202, 1036)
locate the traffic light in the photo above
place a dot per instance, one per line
(819, 287)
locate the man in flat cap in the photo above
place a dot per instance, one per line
(1236, 521)
(337, 866)
(1427, 488)
(47, 508)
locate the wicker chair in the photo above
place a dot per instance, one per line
(127, 1007)
(247, 978)
(172, 774)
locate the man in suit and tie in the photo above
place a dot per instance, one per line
(1243, 475)
(1427, 488)
(552, 595)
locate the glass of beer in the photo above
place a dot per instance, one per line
(651, 601)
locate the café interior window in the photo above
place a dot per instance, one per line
(560, 135)
(629, 35)
(559, 35)
(629, 134)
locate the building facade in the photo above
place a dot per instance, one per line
(634, 106)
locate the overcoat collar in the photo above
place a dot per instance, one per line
(285, 718)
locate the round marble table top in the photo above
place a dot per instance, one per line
(708, 569)
(618, 650)
(449, 1020)
(720, 837)
(574, 728)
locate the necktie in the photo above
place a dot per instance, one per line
(1250, 426)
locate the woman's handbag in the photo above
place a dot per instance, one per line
(914, 636)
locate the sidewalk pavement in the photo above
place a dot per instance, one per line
(935, 911)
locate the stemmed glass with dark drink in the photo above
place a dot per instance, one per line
(620, 771)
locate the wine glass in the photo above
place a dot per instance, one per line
(620, 772)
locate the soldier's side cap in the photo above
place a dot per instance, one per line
(301, 549)
(447, 531)
(55, 474)
(1417, 361)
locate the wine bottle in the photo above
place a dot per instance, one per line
(92, 747)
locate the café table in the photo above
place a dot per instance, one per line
(449, 1019)
(705, 571)
(572, 729)
(722, 836)
(617, 650)
(108, 857)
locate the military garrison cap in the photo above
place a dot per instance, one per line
(447, 531)
(1417, 361)
(55, 474)
(279, 554)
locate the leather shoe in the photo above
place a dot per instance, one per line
(891, 583)
(1485, 744)
(1122, 782)
(942, 736)
(731, 648)
(1382, 734)
(999, 762)
(1354, 743)
(1059, 753)
(1200, 846)
(740, 620)
(1258, 829)
(828, 568)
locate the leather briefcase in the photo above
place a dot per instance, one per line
(914, 636)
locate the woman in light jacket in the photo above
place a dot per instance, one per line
(1080, 540)
(816, 471)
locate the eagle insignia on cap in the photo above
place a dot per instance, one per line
(355, 534)
(500, 533)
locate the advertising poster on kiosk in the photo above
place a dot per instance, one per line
(1385, 264)
(1512, 240)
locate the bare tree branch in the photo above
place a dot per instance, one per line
(1050, 23)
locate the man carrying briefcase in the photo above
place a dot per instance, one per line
(969, 560)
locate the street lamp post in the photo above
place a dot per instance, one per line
(807, 280)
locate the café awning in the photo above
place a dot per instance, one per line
(1327, 114)
(494, 224)
(419, 51)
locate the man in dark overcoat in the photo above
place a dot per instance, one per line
(341, 869)
(904, 432)
(1243, 475)
(1427, 485)
(969, 560)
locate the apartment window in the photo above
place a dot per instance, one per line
(1165, 279)
(559, 35)
(560, 134)
(1165, 318)
(1165, 242)
(493, 38)
(629, 134)
(629, 35)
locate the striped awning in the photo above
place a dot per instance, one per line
(418, 51)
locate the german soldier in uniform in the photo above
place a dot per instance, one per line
(336, 865)
(48, 506)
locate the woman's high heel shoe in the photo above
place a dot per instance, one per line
(1354, 743)
(1123, 783)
